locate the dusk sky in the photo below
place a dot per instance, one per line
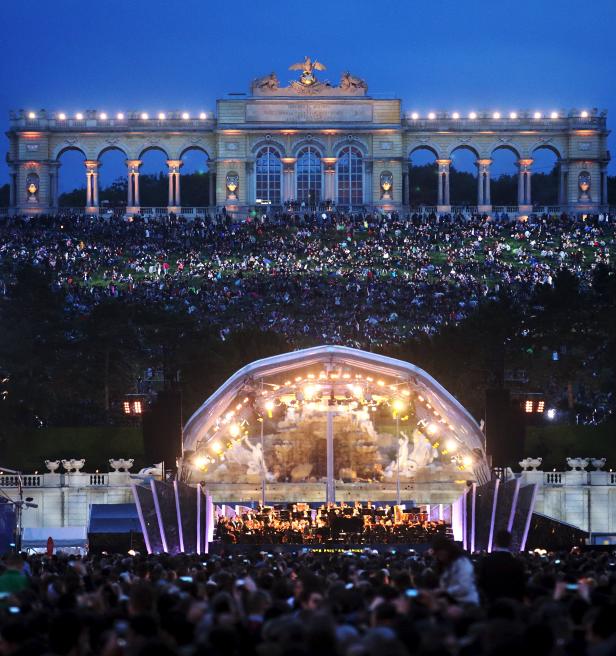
(152, 55)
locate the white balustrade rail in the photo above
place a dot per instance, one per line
(66, 479)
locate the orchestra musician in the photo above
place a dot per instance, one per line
(331, 523)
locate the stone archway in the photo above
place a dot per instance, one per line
(197, 178)
(421, 186)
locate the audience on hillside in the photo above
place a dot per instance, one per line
(365, 279)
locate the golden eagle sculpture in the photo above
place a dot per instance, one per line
(308, 66)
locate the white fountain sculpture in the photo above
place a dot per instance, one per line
(578, 464)
(73, 465)
(250, 455)
(410, 460)
(530, 464)
(152, 470)
(121, 464)
(598, 463)
(52, 465)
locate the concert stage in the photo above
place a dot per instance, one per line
(326, 425)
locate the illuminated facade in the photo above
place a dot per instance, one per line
(333, 423)
(310, 142)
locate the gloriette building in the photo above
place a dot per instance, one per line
(310, 142)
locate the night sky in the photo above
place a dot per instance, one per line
(452, 55)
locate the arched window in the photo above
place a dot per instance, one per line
(309, 178)
(268, 172)
(350, 177)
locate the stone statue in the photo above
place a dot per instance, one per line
(348, 81)
(308, 66)
(266, 82)
(249, 455)
(411, 460)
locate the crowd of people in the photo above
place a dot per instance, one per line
(443, 602)
(354, 279)
(330, 524)
(367, 280)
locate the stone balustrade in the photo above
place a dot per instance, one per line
(586, 499)
(66, 479)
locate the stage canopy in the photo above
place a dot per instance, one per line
(337, 418)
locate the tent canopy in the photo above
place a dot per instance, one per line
(114, 518)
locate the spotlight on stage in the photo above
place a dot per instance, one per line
(432, 429)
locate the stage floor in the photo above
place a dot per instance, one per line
(223, 549)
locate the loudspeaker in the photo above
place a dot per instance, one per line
(162, 429)
(505, 428)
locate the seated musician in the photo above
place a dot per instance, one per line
(343, 524)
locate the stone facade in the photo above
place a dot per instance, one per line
(325, 118)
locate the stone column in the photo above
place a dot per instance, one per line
(174, 203)
(12, 186)
(251, 182)
(563, 170)
(483, 185)
(88, 187)
(53, 184)
(524, 197)
(405, 188)
(368, 191)
(443, 204)
(132, 206)
(92, 186)
(604, 199)
(330, 178)
(288, 178)
(211, 192)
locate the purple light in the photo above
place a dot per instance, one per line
(457, 519)
(163, 538)
(473, 518)
(514, 504)
(209, 524)
(179, 515)
(530, 515)
(199, 518)
(146, 539)
(493, 517)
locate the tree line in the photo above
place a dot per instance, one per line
(423, 180)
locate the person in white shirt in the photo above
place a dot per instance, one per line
(457, 574)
